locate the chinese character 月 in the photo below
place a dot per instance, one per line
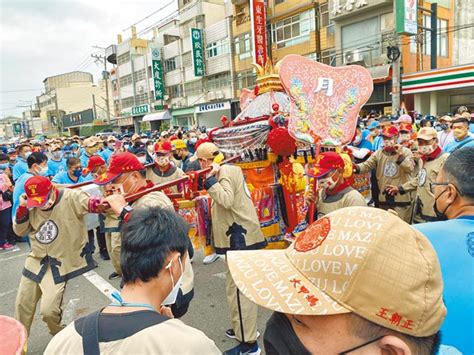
(325, 84)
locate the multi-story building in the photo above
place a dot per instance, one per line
(68, 93)
(293, 27)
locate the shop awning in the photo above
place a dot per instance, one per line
(158, 116)
(381, 73)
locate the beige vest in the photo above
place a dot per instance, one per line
(421, 184)
(235, 224)
(158, 179)
(58, 238)
(390, 172)
(345, 198)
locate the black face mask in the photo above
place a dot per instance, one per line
(440, 215)
(280, 338)
(176, 156)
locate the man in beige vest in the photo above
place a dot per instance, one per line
(394, 166)
(126, 174)
(432, 158)
(54, 221)
(334, 191)
(235, 227)
(164, 169)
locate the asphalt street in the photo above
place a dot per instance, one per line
(208, 311)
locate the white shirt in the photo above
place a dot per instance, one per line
(445, 138)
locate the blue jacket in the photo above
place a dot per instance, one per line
(55, 166)
(20, 168)
(453, 241)
(18, 191)
(63, 178)
(450, 147)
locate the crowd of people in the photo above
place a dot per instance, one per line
(388, 272)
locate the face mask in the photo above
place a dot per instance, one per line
(144, 140)
(162, 161)
(426, 149)
(280, 338)
(171, 299)
(357, 140)
(193, 140)
(137, 144)
(111, 146)
(43, 171)
(27, 154)
(404, 137)
(67, 155)
(150, 149)
(142, 159)
(441, 215)
(47, 205)
(77, 172)
(176, 156)
(327, 183)
(459, 133)
(126, 146)
(443, 126)
(389, 143)
(56, 155)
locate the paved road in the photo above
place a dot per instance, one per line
(208, 311)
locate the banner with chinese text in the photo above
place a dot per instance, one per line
(159, 86)
(259, 37)
(198, 53)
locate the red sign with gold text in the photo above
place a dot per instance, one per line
(259, 32)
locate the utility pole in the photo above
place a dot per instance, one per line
(59, 119)
(396, 63)
(93, 107)
(105, 76)
(433, 29)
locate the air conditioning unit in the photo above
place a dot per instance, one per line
(352, 57)
(211, 95)
(220, 95)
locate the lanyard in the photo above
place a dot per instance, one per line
(118, 302)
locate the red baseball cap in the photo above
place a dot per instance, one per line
(119, 163)
(390, 131)
(326, 162)
(37, 189)
(163, 147)
(94, 162)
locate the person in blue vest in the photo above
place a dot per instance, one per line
(453, 239)
(374, 137)
(91, 147)
(56, 163)
(108, 149)
(21, 166)
(73, 174)
(37, 165)
(462, 139)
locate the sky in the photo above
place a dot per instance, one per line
(41, 38)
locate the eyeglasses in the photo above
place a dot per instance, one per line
(433, 184)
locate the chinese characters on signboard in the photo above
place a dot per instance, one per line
(348, 5)
(140, 110)
(259, 32)
(198, 53)
(158, 84)
(406, 16)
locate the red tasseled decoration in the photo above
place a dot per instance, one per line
(256, 90)
(280, 141)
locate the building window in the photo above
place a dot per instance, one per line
(243, 46)
(187, 60)
(217, 48)
(312, 56)
(175, 91)
(170, 64)
(123, 58)
(363, 40)
(218, 81)
(193, 88)
(141, 99)
(293, 30)
(324, 15)
(125, 80)
(127, 102)
(425, 38)
(140, 75)
(329, 57)
(246, 79)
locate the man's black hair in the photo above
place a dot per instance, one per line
(148, 237)
(3, 157)
(72, 161)
(36, 158)
(460, 120)
(459, 170)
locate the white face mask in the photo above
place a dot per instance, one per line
(357, 140)
(47, 205)
(389, 143)
(56, 155)
(171, 298)
(327, 183)
(142, 159)
(162, 161)
(43, 171)
(404, 137)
